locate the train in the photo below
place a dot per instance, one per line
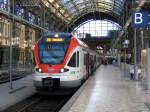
(63, 61)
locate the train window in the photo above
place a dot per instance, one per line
(72, 62)
(84, 59)
(77, 58)
(95, 58)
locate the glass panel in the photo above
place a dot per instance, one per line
(69, 5)
(19, 11)
(72, 61)
(65, 1)
(78, 7)
(75, 14)
(78, 1)
(81, 6)
(72, 9)
(108, 7)
(109, 1)
(5, 26)
(5, 5)
(101, 4)
(53, 52)
(22, 49)
(99, 28)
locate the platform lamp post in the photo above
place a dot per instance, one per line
(125, 46)
(135, 38)
(12, 35)
(135, 53)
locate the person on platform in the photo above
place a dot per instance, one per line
(132, 72)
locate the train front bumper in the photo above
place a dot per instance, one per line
(66, 81)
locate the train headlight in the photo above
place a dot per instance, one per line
(63, 70)
(40, 70)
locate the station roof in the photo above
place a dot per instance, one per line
(72, 10)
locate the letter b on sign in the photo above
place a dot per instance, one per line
(140, 20)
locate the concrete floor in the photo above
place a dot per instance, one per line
(109, 91)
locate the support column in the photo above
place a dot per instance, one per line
(142, 39)
(135, 55)
(148, 68)
(12, 35)
(119, 59)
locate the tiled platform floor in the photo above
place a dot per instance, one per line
(109, 91)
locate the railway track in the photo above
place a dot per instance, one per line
(38, 103)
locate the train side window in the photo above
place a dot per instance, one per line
(95, 58)
(84, 59)
(72, 62)
(77, 58)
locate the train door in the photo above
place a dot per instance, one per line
(91, 64)
(78, 64)
(88, 64)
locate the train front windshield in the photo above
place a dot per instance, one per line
(53, 52)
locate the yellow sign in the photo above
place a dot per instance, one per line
(54, 39)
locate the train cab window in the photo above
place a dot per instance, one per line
(77, 58)
(72, 62)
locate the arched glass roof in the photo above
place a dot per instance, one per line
(96, 28)
(70, 9)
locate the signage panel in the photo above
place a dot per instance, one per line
(140, 19)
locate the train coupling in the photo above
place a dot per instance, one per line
(51, 83)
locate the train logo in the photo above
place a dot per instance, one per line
(50, 69)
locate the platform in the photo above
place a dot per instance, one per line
(22, 89)
(109, 91)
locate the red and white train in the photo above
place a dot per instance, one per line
(63, 61)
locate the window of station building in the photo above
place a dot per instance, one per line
(31, 17)
(19, 11)
(96, 28)
(38, 20)
(72, 62)
(1, 28)
(5, 5)
(5, 31)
